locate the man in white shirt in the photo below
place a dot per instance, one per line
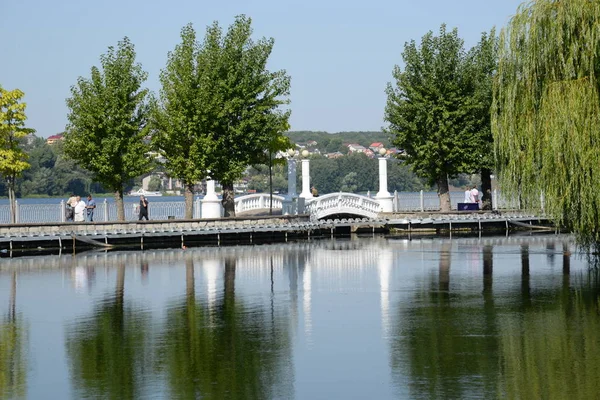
(80, 207)
(467, 195)
(474, 195)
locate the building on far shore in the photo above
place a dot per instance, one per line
(54, 138)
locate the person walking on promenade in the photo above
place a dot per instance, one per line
(143, 208)
(91, 206)
(79, 210)
(70, 208)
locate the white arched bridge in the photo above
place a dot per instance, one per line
(318, 207)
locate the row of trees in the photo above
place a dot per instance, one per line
(219, 110)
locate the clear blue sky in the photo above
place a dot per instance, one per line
(340, 54)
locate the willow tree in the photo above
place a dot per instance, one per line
(108, 121)
(546, 111)
(13, 160)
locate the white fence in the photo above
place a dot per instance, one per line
(163, 210)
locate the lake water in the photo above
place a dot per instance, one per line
(356, 318)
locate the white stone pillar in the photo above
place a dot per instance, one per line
(291, 178)
(383, 196)
(306, 179)
(211, 204)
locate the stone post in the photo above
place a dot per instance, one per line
(211, 204)
(62, 211)
(105, 207)
(197, 209)
(306, 194)
(291, 178)
(383, 196)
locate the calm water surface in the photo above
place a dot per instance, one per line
(374, 318)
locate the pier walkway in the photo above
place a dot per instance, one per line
(250, 230)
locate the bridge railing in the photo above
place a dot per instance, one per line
(257, 201)
(342, 203)
(162, 210)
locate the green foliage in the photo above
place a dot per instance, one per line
(181, 117)
(259, 178)
(155, 184)
(437, 109)
(13, 160)
(243, 98)
(546, 112)
(108, 120)
(332, 142)
(359, 173)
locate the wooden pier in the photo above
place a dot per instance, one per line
(73, 237)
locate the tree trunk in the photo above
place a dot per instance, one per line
(119, 204)
(12, 200)
(189, 200)
(443, 193)
(228, 202)
(486, 189)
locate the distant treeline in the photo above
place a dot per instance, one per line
(332, 142)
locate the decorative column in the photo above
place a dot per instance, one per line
(211, 204)
(291, 161)
(383, 196)
(306, 194)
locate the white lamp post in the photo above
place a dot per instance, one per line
(305, 176)
(291, 174)
(383, 196)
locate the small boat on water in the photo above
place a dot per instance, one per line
(142, 192)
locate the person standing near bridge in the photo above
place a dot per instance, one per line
(143, 208)
(91, 206)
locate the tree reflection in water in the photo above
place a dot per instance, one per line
(231, 351)
(109, 352)
(525, 345)
(13, 354)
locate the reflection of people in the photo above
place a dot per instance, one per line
(79, 209)
(91, 205)
(314, 192)
(145, 269)
(143, 208)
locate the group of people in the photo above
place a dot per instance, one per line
(78, 210)
(472, 195)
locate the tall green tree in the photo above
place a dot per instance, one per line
(243, 101)
(429, 109)
(483, 60)
(546, 111)
(181, 121)
(108, 121)
(13, 160)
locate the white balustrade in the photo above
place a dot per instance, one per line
(257, 201)
(334, 203)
